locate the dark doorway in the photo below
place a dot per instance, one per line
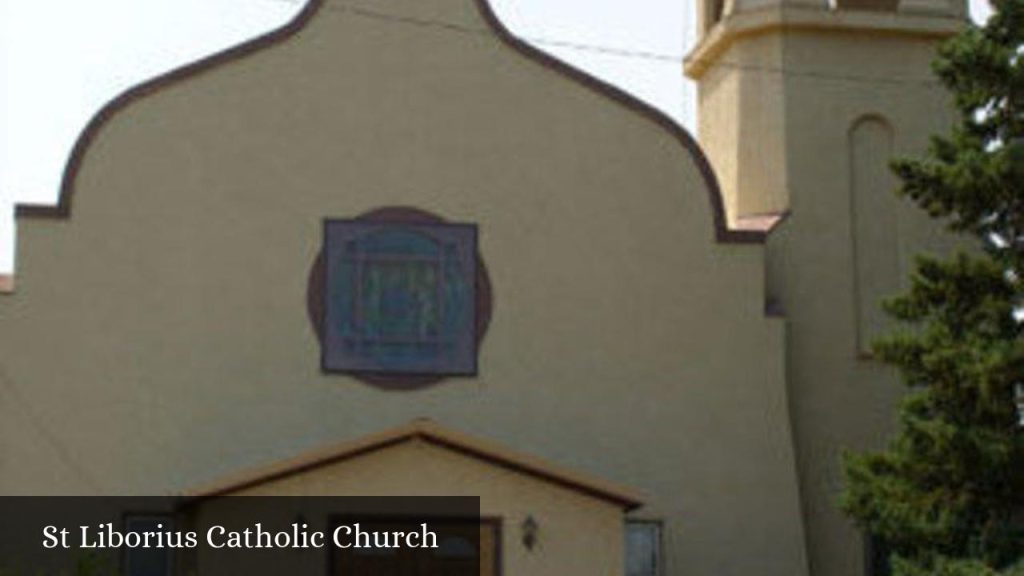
(464, 548)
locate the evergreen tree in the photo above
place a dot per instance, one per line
(947, 495)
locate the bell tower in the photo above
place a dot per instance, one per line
(801, 106)
(774, 75)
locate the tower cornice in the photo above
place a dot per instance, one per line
(780, 18)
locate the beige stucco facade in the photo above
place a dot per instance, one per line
(159, 338)
(802, 107)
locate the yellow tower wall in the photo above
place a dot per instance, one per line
(801, 110)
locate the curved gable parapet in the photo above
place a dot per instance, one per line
(62, 209)
(723, 232)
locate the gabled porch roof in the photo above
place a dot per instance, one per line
(432, 433)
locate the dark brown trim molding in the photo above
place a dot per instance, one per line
(432, 433)
(62, 209)
(723, 233)
(67, 187)
(315, 305)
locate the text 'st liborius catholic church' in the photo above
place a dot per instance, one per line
(390, 249)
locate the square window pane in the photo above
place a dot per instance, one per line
(643, 548)
(400, 298)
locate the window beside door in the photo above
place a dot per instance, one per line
(643, 548)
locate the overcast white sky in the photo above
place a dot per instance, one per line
(61, 60)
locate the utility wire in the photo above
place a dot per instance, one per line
(676, 59)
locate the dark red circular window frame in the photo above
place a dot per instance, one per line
(315, 306)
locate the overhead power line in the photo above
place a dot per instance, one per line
(645, 55)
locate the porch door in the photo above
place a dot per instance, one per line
(460, 552)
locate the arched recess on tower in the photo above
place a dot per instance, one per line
(874, 224)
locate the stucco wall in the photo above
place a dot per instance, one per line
(159, 337)
(849, 241)
(742, 118)
(841, 399)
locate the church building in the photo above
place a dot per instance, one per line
(392, 249)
